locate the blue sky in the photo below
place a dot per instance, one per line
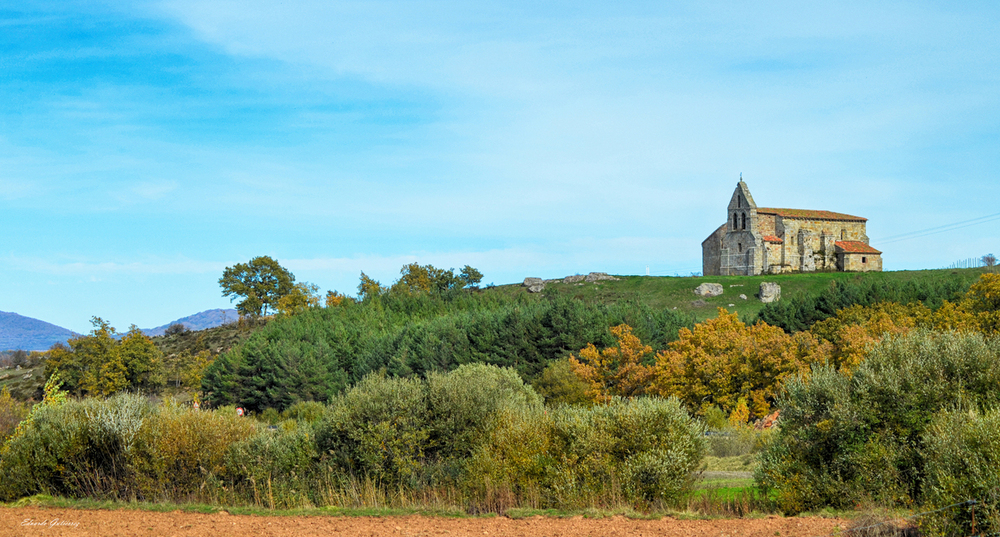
(146, 146)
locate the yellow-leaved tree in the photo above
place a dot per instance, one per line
(303, 296)
(101, 364)
(854, 329)
(983, 300)
(614, 371)
(723, 361)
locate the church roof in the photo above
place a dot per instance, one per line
(810, 215)
(855, 247)
(772, 238)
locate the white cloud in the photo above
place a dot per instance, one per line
(100, 270)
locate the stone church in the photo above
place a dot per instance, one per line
(756, 240)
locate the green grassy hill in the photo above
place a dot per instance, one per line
(678, 292)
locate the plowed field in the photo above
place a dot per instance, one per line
(34, 521)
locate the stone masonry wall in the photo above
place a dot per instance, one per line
(821, 251)
(853, 262)
(711, 248)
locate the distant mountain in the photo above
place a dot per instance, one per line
(198, 321)
(18, 332)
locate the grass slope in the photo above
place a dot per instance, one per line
(677, 293)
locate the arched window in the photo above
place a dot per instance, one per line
(739, 202)
(735, 221)
(843, 234)
(744, 220)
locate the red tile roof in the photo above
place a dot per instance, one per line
(772, 238)
(855, 247)
(810, 215)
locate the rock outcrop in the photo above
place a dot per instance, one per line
(599, 276)
(534, 285)
(769, 292)
(708, 289)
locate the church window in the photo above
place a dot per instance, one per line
(735, 221)
(864, 259)
(744, 220)
(739, 202)
(843, 234)
(740, 246)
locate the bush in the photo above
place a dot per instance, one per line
(305, 411)
(275, 468)
(462, 405)
(12, 412)
(81, 448)
(190, 447)
(33, 461)
(119, 448)
(400, 430)
(558, 384)
(642, 450)
(847, 439)
(962, 450)
(377, 429)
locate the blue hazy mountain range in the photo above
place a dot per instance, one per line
(26, 333)
(198, 321)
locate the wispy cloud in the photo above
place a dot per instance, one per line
(109, 269)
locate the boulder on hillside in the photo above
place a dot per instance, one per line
(769, 292)
(574, 279)
(534, 285)
(708, 289)
(599, 276)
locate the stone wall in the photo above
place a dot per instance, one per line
(860, 262)
(765, 224)
(711, 251)
(741, 254)
(819, 236)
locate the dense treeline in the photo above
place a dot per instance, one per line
(319, 352)
(799, 313)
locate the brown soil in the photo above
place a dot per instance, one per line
(34, 521)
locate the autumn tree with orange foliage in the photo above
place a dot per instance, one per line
(853, 330)
(722, 361)
(983, 300)
(614, 371)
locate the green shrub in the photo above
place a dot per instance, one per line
(463, 403)
(190, 446)
(643, 449)
(274, 468)
(304, 411)
(963, 463)
(848, 439)
(120, 448)
(12, 412)
(377, 429)
(81, 448)
(558, 384)
(33, 461)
